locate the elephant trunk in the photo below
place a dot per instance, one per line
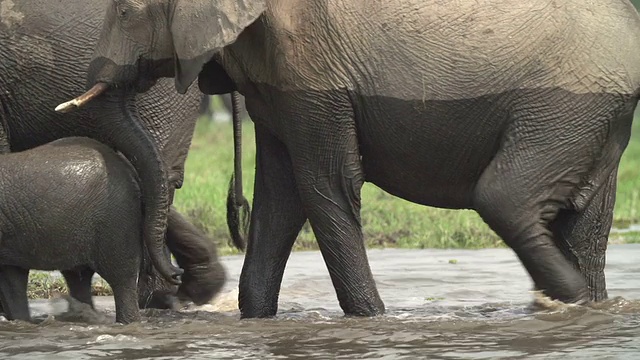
(238, 209)
(118, 125)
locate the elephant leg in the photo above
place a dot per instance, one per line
(125, 295)
(13, 292)
(582, 237)
(517, 217)
(330, 177)
(126, 299)
(204, 276)
(533, 177)
(276, 220)
(79, 284)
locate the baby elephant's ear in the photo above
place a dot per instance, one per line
(201, 27)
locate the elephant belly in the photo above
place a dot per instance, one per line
(32, 250)
(429, 152)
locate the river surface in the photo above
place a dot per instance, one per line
(441, 304)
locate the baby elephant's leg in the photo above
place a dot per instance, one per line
(119, 267)
(125, 294)
(126, 298)
(79, 284)
(13, 292)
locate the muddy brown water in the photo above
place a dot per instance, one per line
(442, 304)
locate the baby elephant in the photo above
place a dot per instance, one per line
(71, 205)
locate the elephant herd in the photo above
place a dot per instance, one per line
(519, 110)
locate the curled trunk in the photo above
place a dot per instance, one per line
(117, 125)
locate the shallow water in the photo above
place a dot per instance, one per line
(476, 306)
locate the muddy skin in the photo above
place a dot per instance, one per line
(90, 224)
(447, 105)
(45, 51)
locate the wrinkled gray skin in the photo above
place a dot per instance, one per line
(45, 48)
(517, 109)
(91, 223)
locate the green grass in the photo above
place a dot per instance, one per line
(628, 196)
(43, 286)
(387, 221)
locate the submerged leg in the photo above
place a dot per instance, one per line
(13, 292)
(79, 284)
(582, 237)
(126, 298)
(329, 175)
(276, 220)
(582, 232)
(534, 178)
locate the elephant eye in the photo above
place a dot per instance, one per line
(123, 13)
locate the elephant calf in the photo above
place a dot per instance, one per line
(71, 205)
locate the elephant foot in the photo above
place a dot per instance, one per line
(552, 273)
(261, 312)
(256, 302)
(597, 286)
(375, 307)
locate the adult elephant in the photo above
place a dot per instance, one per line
(517, 109)
(45, 49)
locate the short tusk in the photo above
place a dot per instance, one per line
(71, 105)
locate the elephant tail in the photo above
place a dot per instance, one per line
(238, 209)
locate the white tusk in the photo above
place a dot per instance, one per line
(81, 100)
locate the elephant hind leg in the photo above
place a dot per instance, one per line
(125, 295)
(79, 284)
(582, 232)
(122, 278)
(582, 237)
(520, 214)
(533, 177)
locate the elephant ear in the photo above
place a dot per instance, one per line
(200, 28)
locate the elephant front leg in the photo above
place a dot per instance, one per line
(276, 220)
(330, 176)
(582, 236)
(13, 293)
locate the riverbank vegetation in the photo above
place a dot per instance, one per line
(43, 286)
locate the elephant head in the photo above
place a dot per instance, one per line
(141, 41)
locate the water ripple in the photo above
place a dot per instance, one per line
(481, 307)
